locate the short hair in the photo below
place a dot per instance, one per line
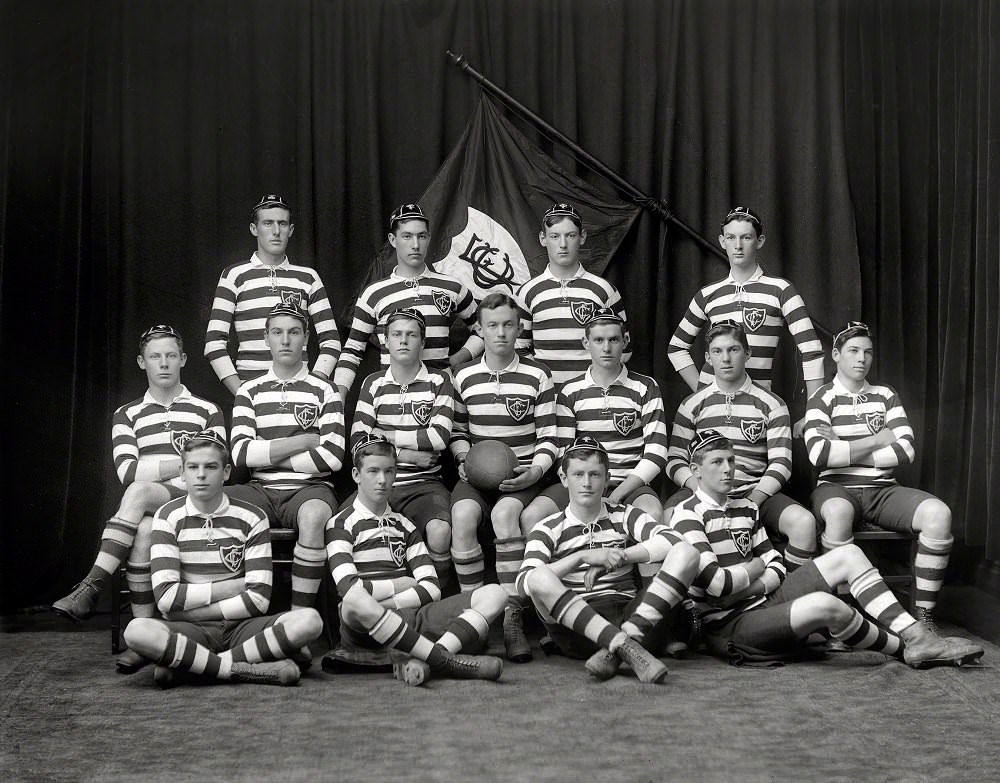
(371, 445)
(286, 309)
(585, 447)
(559, 212)
(743, 213)
(157, 332)
(270, 201)
(853, 329)
(727, 327)
(495, 300)
(205, 438)
(705, 441)
(407, 313)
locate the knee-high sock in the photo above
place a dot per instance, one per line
(510, 553)
(470, 568)
(663, 593)
(271, 644)
(390, 630)
(573, 612)
(875, 597)
(442, 564)
(861, 633)
(308, 564)
(795, 557)
(140, 586)
(464, 631)
(182, 652)
(116, 543)
(929, 568)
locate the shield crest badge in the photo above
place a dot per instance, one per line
(582, 311)
(397, 551)
(179, 438)
(752, 429)
(753, 318)
(232, 557)
(875, 422)
(625, 421)
(741, 539)
(442, 301)
(291, 298)
(306, 413)
(421, 411)
(517, 407)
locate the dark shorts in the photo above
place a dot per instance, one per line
(282, 505)
(890, 507)
(559, 495)
(768, 627)
(221, 635)
(616, 609)
(430, 620)
(770, 511)
(419, 503)
(486, 499)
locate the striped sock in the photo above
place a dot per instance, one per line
(795, 557)
(442, 564)
(184, 653)
(464, 631)
(663, 593)
(116, 543)
(140, 586)
(510, 553)
(271, 644)
(308, 565)
(875, 597)
(390, 630)
(860, 633)
(828, 543)
(470, 568)
(929, 569)
(573, 612)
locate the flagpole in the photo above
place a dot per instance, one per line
(657, 206)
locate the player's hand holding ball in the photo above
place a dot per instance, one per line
(523, 477)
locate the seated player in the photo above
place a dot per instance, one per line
(146, 439)
(746, 606)
(856, 434)
(622, 410)
(756, 422)
(212, 580)
(559, 301)
(411, 285)
(288, 427)
(509, 398)
(414, 408)
(247, 291)
(578, 571)
(764, 304)
(390, 594)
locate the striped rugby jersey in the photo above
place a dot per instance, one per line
(515, 406)
(854, 416)
(439, 298)
(377, 548)
(763, 304)
(144, 433)
(726, 536)
(269, 408)
(627, 419)
(245, 295)
(190, 550)
(418, 415)
(617, 527)
(553, 312)
(757, 423)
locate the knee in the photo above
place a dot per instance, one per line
(303, 625)
(530, 517)
(140, 635)
(799, 525)
(541, 583)
(489, 600)
(837, 511)
(356, 611)
(438, 535)
(140, 495)
(143, 541)
(687, 559)
(506, 521)
(827, 610)
(933, 517)
(311, 524)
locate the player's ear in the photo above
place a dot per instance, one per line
(541, 238)
(722, 241)
(184, 358)
(356, 475)
(291, 230)
(585, 340)
(140, 361)
(253, 229)
(834, 354)
(392, 238)
(226, 471)
(760, 241)
(562, 476)
(583, 235)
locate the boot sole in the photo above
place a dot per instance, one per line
(70, 616)
(960, 660)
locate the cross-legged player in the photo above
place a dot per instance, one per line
(748, 609)
(211, 560)
(579, 570)
(288, 428)
(146, 438)
(505, 397)
(756, 422)
(389, 590)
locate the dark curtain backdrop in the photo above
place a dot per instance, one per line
(134, 137)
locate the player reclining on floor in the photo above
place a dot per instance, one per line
(146, 437)
(579, 571)
(211, 568)
(744, 608)
(389, 589)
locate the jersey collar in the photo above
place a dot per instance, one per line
(420, 376)
(191, 511)
(618, 380)
(710, 502)
(302, 373)
(580, 272)
(183, 394)
(840, 388)
(744, 387)
(758, 273)
(256, 262)
(359, 505)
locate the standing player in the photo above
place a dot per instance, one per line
(146, 437)
(578, 571)
(622, 410)
(248, 290)
(744, 608)
(756, 423)
(762, 303)
(410, 285)
(414, 408)
(288, 427)
(856, 434)
(509, 398)
(390, 594)
(559, 301)
(212, 580)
